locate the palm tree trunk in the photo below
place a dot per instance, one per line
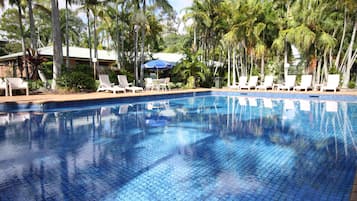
(251, 62)
(229, 67)
(89, 40)
(350, 60)
(57, 43)
(337, 62)
(234, 67)
(118, 40)
(95, 44)
(262, 66)
(23, 41)
(32, 26)
(324, 67)
(136, 27)
(242, 66)
(194, 46)
(286, 69)
(67, 37)
(142, 56)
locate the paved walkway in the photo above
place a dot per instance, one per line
(52, 97)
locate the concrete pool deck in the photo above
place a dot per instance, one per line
(55, 97)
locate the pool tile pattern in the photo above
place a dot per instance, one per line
(214, 148)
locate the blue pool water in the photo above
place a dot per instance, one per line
(193, 148)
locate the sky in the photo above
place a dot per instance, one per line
(178, 6)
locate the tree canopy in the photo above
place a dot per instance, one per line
(247, 36)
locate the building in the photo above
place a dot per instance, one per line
(9, 64)
(77, 55)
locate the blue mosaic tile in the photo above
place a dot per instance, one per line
(196, 148)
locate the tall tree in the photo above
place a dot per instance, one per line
(163, 4)
(67, 35)
(349, 7)
(32, 26)
(91, 7)
(23, 44)
(57, 43)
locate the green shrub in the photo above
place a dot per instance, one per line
(208, 82)
(46, 68)
(35, 84)
(351, 84)
(113, 77)
(129, 75)
(190, 83)
(77, 81)
(333, 70)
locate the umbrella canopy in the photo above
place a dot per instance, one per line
(157, 65)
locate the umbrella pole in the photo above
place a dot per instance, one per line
(157, 73)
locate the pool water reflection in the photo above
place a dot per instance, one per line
(200, 148)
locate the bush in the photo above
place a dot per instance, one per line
(77, 81)
(46, 68)
(35, 84)
(351, 84)
(84, 68)
(190, 83)
(333, 70)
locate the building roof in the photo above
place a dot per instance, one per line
(169, 57)
(83, 53)
(74, 52)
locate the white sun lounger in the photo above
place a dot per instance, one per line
(289, 83)
(268, 83)
(305, 83)
(253, 80)
(17, 83)
(105, 85)
(242, 82)
(123, 82)
(333, 80)
(3, 86)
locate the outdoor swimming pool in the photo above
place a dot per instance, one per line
(190, 148)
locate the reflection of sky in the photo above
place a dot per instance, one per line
(211, 147)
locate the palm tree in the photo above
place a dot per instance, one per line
(32, 26)
(67, 37)
(164, 4)
(92, 7)
(57, 43)
(72, 27)
(23, 45)
(349, 7)
(191, 69)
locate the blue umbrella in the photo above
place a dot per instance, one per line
(157, 64)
